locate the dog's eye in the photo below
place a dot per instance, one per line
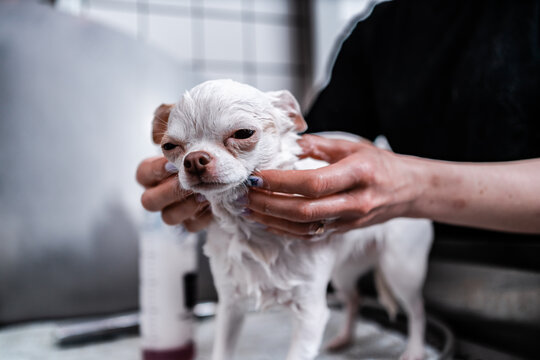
(243, 134)
(168, 146)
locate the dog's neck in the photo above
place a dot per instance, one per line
(245, 243)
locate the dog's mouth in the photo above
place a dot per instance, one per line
(204, 186)
(208, 185)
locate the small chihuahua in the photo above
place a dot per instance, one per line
(218, 134)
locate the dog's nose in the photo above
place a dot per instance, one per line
(197, 161)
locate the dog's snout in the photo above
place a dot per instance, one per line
(197, 161)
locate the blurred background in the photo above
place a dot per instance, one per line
(270, 44)
(79, 81)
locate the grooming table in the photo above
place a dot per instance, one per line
(265, 336)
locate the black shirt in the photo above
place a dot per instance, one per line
(452, 80)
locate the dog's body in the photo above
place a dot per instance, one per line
(233, 130)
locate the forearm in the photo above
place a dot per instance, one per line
(497, 196)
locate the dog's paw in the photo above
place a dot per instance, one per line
(338, 343)
(412, 354)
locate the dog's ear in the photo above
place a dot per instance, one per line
(285, 101)
(161, 119)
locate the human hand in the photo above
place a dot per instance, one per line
(363, 185)
(163, 192)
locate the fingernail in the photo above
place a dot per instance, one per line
(245, 212)
(254, 181)
(169, 167)
(242, 200)
(259, 225)
(200, 198)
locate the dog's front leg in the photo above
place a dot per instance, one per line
(308, 328)
(230, 317)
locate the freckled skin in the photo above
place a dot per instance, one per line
(435, 181)
(459, 204)
(492, 195)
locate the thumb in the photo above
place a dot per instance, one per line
(326, 149)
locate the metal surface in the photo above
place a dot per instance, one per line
(264, 336)
(374, 332)
(491, 307)
(76, 102)
(438, 334)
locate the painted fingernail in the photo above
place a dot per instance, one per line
(200, 198)
(242, 200)
(254, 181)
(245, 212)
(258, 225)
(169, 167)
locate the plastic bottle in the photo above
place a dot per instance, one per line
(167, 289)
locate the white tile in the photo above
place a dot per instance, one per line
(328, 25)
(249, 41)
(233, 5)
(213, 74)
(273, 43)
(123, 21)
(69, 6)
(169, 2)
(113, 1)
(350, 8)
(275, 82)
(223, 40)
(180, 8)
(251, 79)
(172, 34)
(272, 6)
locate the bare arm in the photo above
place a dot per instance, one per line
(364, 185)
(499, 196)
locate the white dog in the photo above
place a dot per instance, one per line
(218, 134)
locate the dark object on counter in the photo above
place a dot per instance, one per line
(95, 330)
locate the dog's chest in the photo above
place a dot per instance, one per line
(268, 269)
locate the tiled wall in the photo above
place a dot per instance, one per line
(270, 44)
(252, 41)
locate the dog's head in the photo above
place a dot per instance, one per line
(221, 131)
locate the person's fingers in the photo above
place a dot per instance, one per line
(305, 210)
(180, 211)
(310, 228)
(344, 225)
(347, 173)
(164, 194)
(329, 150)
(161, 119)
(292, 230)
(290, 235)
(153, 170)
(199, 221)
